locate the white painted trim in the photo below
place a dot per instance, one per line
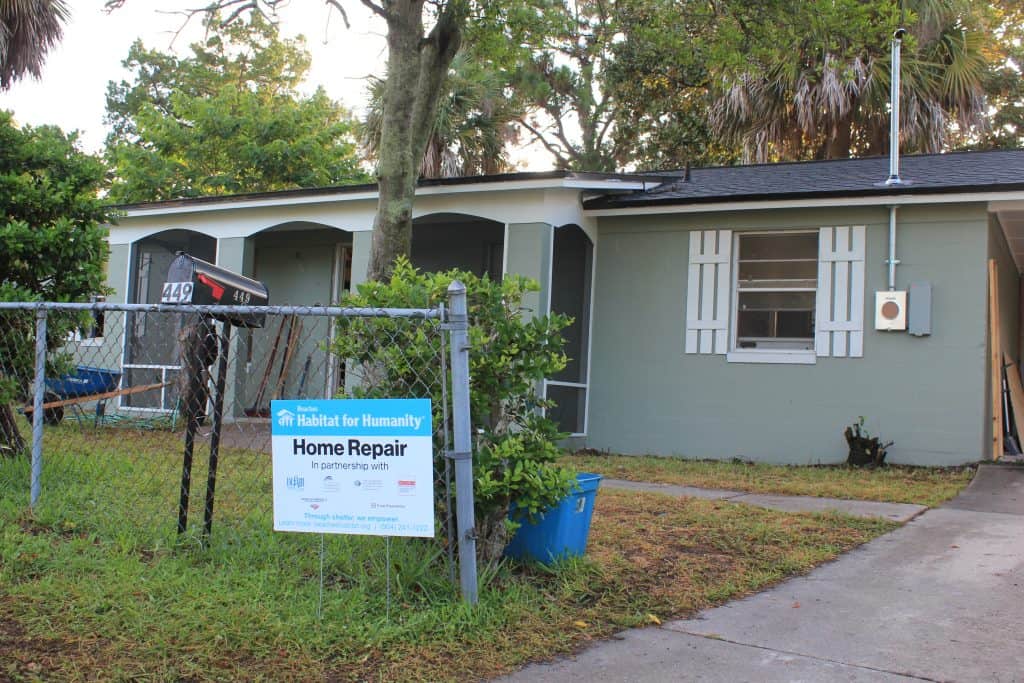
(151, 366)
(735, 296)
(839, 316)
(91, 341)
(765, 356)
(708, 312)
(132, 247)
(337, 277)
(585, 386)
(551, 265)
(811, 203)
(590, 336)
(163, 389)
(229, 204)
(504, 253)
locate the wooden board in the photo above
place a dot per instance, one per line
(995, 360)
(97, 397)
(1016, 394)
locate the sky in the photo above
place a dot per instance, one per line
(72, 91)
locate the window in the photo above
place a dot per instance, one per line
(776, 297)
(776, 287)
(92, 332)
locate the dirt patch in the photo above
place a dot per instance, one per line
(24, 657)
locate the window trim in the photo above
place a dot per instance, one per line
(97, 330)
(767, 355)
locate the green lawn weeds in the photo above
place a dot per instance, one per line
(94, 585)
(891, 484)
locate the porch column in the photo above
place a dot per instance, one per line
(117, 272)
(361, 241)
(238, 255)
(528, 252)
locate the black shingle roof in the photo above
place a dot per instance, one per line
(926, 173)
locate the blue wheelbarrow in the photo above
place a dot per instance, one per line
(84, 385)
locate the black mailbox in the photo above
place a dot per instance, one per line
(194, 281)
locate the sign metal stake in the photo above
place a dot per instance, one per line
(387, 562)
(320, 601)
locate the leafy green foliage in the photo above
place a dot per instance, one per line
(28, 30)
(511, 352)
(797, 80)
(473, 123)
(226, 119)
(556, 53)
(54, 245)
(1004, 87)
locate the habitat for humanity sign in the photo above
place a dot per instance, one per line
(353, 466)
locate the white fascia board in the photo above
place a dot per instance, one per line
(243, 222)
(345, 197)
(810, 203)
(262, 203)
(610, 184)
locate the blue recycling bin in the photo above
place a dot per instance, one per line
(562, 531)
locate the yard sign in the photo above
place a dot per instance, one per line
(353, 466)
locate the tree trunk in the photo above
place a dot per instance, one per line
(12, 444)
(492, 537)
(837, 146)
(417, 67)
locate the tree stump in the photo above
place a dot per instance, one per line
(865, 450)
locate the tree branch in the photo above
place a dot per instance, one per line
(341, 10)
(375, 8)
(553, 149)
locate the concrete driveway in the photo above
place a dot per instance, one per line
(940, 599)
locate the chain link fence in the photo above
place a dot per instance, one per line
(128, 447)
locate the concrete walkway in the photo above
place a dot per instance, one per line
(898, 512)
(940, 599)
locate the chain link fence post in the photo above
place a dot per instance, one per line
(462, 428)
(39, 384)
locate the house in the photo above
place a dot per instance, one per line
(719, 312)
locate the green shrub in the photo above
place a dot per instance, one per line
(511, 352)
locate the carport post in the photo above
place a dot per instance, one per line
(458, 324)
(37, 407)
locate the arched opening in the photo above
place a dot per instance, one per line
(302, 264)
(151, 340)
(571, 277)
(443, 241)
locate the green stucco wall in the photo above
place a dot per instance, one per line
(529, 254)
(117, 269)
(361, 245)
(927, 394)
(106, 351)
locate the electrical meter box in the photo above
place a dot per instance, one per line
(194, 281)
(891, 311)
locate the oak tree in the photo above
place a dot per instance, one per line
(226, 119)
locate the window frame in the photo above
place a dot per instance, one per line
(735, 354)
(93, 335)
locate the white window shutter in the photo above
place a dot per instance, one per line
(839, 320)
(708, 291)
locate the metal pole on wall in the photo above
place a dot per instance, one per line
(462, 454)
(37, 407)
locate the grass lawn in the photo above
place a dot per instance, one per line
(95, 587)
(892, 484)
